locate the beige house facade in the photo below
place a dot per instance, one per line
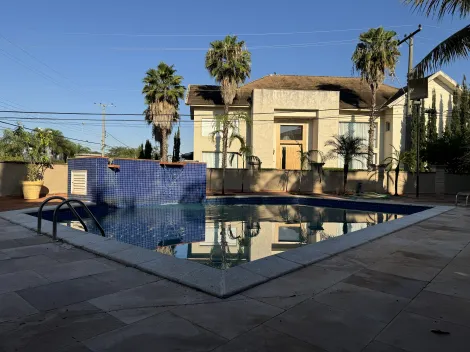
(290, 114)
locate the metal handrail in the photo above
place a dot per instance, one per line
(67, 201)
(70, 207)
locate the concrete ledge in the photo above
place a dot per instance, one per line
(219, 283)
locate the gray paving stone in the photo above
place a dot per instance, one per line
(73, 270)
(124, 278)
(374, 304)
(167, 331)
(244, 315)
(439, 306)
(7, 244)
(453, 281)
(265, 339)
(410, 271)
(307, 281)
(387, 283)
(377, 346)
(40, 249)
(57, 330)
(36, 239)
(20, 280)
(60, 294)
(25, 263)
(13, 306)
(3, 256)
(71, 255)
(108, 247)
(326, 327)
(271, 267)
(132, 315)
(155, 294)
(167, 266)
(342, 263)
(413, 333)
(284, 302)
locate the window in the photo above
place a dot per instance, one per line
(358, 129)
(289, 234)
(207, 126)
(214, 160)
(291, 133)
(387, 126)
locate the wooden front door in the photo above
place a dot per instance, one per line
(290, 157)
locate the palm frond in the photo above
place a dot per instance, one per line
(452, 48)
(440, 8)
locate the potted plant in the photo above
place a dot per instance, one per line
(36, 149)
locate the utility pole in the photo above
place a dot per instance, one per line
(103, 124)
(410, 41)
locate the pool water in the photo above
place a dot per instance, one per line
(223, 236)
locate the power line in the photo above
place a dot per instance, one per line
(31, 129)
(238, 34)
(35, 58)
(109, 134)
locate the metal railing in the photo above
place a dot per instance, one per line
(74, 212)
(55, 216)
(72, 209)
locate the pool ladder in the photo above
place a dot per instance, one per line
(72, 209)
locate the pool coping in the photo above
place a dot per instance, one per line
(222, 283)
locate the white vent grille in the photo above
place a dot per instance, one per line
(79, 182)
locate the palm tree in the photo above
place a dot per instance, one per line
(228, 124)
(398, 159)
(375, 56)
(229, 63)
(348, 147)
(162, 90)
(456, 46)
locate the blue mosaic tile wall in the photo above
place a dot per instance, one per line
(140, 182)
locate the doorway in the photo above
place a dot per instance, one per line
(290, 143)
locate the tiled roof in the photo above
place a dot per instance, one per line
(354, 94)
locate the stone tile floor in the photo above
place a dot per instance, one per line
(408, 291)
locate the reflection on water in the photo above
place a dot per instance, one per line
(223, 236)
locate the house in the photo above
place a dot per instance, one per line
(293, 113)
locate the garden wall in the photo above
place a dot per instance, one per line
(133, 182)
(12, 173)
(266, 180)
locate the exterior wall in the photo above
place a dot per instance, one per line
(140, 182)
(305, 106)
(444, 95)
(204, 143)
(12, 173)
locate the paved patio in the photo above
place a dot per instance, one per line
(408, 291)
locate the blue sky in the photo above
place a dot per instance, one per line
(98, 51)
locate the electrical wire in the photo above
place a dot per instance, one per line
(239, 34)
(69, 138)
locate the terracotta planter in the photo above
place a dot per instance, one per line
(31, 189)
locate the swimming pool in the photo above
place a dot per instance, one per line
(227, 232)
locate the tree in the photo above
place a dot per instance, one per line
(348, 147)
(176, 146)
(245, 151)
(454, 125)
(148, 150)
(396, 161)
(140, 152)
(123, 152)
(464, 108)
(375, 56)
(227, 125)
(229, 63)
(418, 119)
(162, 90)
(432, 120)
(454, 47)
